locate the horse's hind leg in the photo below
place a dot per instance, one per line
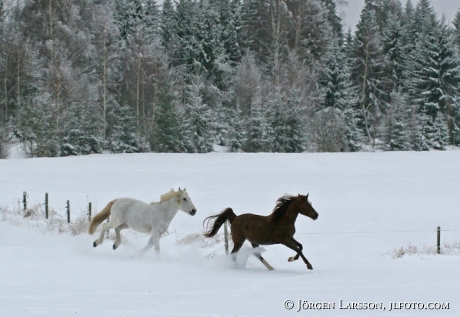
(118, 236)
(113, 223)
(259, 256)
(105, 226)
(236, 247)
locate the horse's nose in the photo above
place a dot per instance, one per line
(193, 212)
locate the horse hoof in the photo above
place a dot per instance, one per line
(309, 267)
(94, 244)
(114, 246)
(291, 259)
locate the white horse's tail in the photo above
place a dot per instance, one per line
(100, 217)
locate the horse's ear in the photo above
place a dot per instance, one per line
(307, 195)
(179, 189)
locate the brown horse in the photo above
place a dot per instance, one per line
(277, 228)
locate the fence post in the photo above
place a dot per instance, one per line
(226, 237)
(89, 212)
(24, 200)
(46, 205)
(68, 211)
(438, 242)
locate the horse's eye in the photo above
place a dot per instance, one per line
(185, 199)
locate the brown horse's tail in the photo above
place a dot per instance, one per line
(225, 215)
(100, 217)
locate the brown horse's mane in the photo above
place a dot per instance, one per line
(282, 204)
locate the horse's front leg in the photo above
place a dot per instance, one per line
(300, 247)
(297, 247)
(153, 241)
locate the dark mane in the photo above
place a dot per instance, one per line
(282, 204)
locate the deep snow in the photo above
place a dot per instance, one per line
(369, 204)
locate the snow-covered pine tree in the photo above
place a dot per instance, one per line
(456, 24)
(166, 130)
(415, 123)
(167, 26)
(196, 121)
(395, 132)
(340, 99)
(277, 117)
(235, 134)
(393, 46)
(128, 16)
(123, 137)
(294, 131)
(151, 19)
(82, 132)
(436, 132)
(334, 20)
(354, 136)
(434, 72)
(258, 133)
(369, 71)
(246, 83)
(105, 55)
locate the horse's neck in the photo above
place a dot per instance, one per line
(291, 215)
(169, 208)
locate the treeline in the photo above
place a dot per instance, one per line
(93, 76)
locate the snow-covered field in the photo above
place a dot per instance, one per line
(369, 204)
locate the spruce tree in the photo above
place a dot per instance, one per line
(395, 125)
(436, 132)
(168, 26)
(235, 137)
(166, 132)
(295, 133)
(340, 99)
(394, 47)
(196, 121)
(369, 72)
(123, 137)
(129, 16)
(258, 136)
(434, 75)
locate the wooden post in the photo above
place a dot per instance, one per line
(24, 200)
(226, 237)
(46, 206)
(438, 242)
(89, 212)
(68, 211)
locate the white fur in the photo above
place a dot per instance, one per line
(153, 219)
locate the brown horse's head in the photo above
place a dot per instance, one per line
(306, 207)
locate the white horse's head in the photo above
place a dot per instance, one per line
(185, 203)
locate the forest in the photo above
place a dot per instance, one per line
(128, 76)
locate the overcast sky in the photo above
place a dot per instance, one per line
(353, 10)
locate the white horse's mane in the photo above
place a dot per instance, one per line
(172, 193)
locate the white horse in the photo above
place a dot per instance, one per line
(153, 219)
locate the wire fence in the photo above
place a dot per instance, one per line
(18, 202)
